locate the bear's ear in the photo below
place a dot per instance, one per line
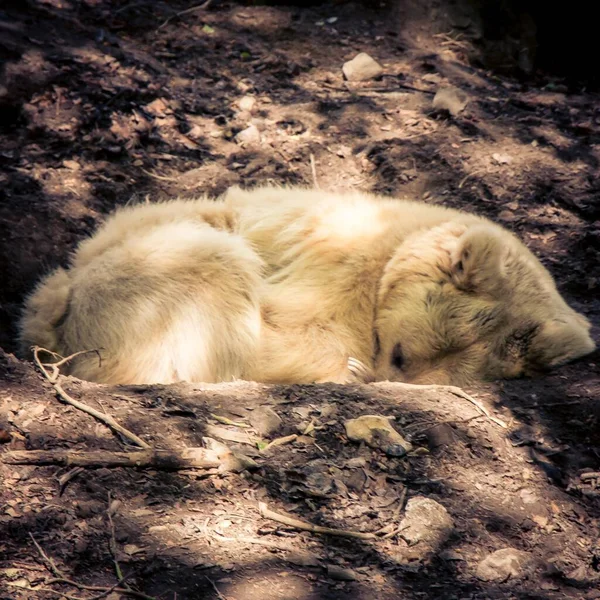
(560, 341)
(479, 259)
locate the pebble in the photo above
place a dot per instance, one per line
(250, 135)
(265, 420)
(450, 99)
(247, 103)
(507, 563)
(303, 559)
(426, 521)
(340, 574)
(361, 68)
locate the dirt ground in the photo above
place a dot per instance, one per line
(103, 103)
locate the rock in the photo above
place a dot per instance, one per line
(441, 435)
(361, 67)
(426, 522)
(71, 164)
(356, 463)
(506, 215)
(356, 480)
(450, 99)
(319, 484)
(247, 103)
(265, 420)
(579, 576)
(250, 135)
(502, 159)
(507, 563)
(303, 559)
(340, 574)
(377, 432)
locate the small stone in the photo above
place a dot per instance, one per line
(250, 135)
(303, 559)
(427, 522)
(506, 215)
(11, 573)
(340, 574)
(265, 420)
(441, 435)
(578, 576)
(451, 555)
(507, 563)
(377, 432)
(247, 103)
(71, 164)
(502, 159)
(432, 78)
(450, 99)
(361, 68)
(356, 463)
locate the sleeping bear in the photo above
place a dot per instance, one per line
(295, 285)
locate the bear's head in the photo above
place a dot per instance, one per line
(466, 301)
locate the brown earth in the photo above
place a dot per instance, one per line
(104, 103)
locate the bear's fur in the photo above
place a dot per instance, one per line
(298, 285)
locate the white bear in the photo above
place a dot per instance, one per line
(283, 285)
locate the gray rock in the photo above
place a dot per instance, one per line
(265, 420)
(426, 522)
(340, 574)
(303, 559)
(507, 563)
(250, 135)
(450, 99)
(502, 159)
(247, 103)
(361, 68)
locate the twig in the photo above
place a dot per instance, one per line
(60, 578)
(468, 176)
(217, 591)
(189, 458)
(267, 513)
(112, 544)
(104, 591)
(44, 591)
(288, 439)
(112, 588)
(313, 168)
(53, 379)
(456, 391)
(462, 394)
(51, 565)
(227, 421)
(401, 86)
(201, 6)
(160, 177)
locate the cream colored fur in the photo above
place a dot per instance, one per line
(299, 285)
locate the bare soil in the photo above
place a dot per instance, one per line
(108, 102)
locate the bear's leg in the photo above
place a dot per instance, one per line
(180, 302)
